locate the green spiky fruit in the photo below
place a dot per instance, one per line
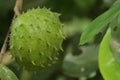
(36, 37)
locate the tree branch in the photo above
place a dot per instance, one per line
(17, 10)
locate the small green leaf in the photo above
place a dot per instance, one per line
(6, 74)
(100, 22)
(109, 67)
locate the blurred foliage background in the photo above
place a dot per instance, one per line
(76, 62)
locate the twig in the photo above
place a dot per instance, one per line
(17, 10)
(4, 47)
(18, 7)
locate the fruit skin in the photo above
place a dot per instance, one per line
(36, 37)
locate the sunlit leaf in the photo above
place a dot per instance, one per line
(109, 68)
(100, 22)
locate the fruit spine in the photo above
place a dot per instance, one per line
(36, 37)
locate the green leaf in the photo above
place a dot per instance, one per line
(100, 22)
(6, 74)
(109, 67)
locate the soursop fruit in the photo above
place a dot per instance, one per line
(36, 37)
